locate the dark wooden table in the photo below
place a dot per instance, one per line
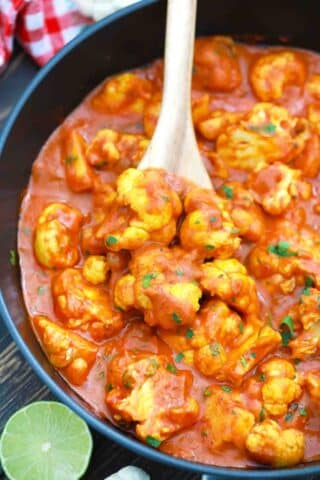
(18, 384)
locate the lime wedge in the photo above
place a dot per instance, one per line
(45, 441)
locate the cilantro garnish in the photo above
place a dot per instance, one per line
(176, 318)
(171, 368)
(288, 321)
(189, 333)
(179, 357)
(153, 442)
(111, 241)
(243, 361)
(207, 392)
(146, 279)
(226, 388)
(262, 414)
(282, 249)
(215, 349)
(227, 191)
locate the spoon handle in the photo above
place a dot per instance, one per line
(173, 146)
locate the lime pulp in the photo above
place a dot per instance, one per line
(47, 441)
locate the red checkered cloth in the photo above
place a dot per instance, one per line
(42, 27)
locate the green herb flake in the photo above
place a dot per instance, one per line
(13, 257)
(40, 290)
(288, 417)
(226, 388)
(165, 198)
(153, 442)
(241, 327)
(215, 349)
(227, 191)
(269, 128)
(176, 318)
(70, 159)
(111, 241)
(262, 414)
(154, 362)
(207, 392)
(286, 337)
(179, 272)
(303, 412)
(306, 291)
(243, 361)
(212, 219)
(288, 322)
(119, 309)
(253, 355)
(297, 361)
(171, 368)
(210, 247)
(282, 249)
(179, 357)
(146, 279)
(189, 333)
(204, 433)
(308, 281)
(109, 387)
(261, 377)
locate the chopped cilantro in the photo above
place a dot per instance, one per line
(154, 362)
(306, 291)
(227, 191)
(288, 321)
(243, 361)
(153, 442)
(241, 327)
(288, 417)
(215, 349)
(70, 159)
(286, 337)
(207, 392)
(262, 414)
(253, 355)
(213, 219)
(119, 309)
(109, 387)
(179, 357)
(226, 388)
(13, 257)
(165, 198)
(204, 433)
(269, 128)
(40, 290)
(308, 281)
(282, 249)
(176, 317)
(210, 247)
(262, 377)
(303, 411)
(171, 368)
(297, 361)
(179, 272)
(111, 241)
(189, 333)
(146, 279)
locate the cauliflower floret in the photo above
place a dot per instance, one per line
(313, 86)
(116, 150)
(245, 213)
(268, 443)
(313, 115)
(56, 236)
(281, 386)
(273, 72)
(229, 280)
(125, 93)
(103, 197)
(95, 269)
(208, 228)
(216, 64)
(150, 391)
(309, 307)
(146, 208)
(252, 347)
(80, 305)
(79, 174)
(163, 285)
(217, 122)
(226, 420)
(265, 135)
(73, 355)
(307, 344)
(276, 186)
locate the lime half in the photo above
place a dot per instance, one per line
(45, 441)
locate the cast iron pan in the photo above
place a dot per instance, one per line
(127, 39)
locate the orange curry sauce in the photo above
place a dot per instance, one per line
(188, 316)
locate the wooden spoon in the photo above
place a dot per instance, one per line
(173, 146)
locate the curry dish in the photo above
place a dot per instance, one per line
(190, 317)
